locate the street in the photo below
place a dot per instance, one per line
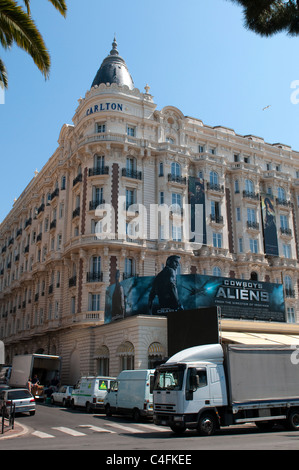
(57, 428)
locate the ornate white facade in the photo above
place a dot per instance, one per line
(54, 270)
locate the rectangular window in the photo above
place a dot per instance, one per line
(217, 240)
(291, 318)
(176, 199)
(251, 215)
(73, 305)
(238, 214)
(94, 302)
(241, 245)
(101, 128)
(284, 221)
(131, 131)
(161, 197)
(286, 251)
(253, 243)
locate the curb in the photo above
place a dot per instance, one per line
(19, 430)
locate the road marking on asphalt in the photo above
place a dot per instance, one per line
(72, 432)
(153, 427)
(96, 428)
(124, 428)
(42, 435)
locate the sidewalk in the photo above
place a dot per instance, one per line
(19, 430)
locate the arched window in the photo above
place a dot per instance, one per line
(129, 268)
(254, 276)
(102, 361)
(249, 186)
(214, 179)
(288, 287)
(216, 271)
(281, 194)
(155, 354)
(175, 169)
(126, 352)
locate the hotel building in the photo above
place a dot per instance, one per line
(121, 150)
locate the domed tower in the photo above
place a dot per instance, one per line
(114, 70)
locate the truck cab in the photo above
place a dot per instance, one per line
(188, 391)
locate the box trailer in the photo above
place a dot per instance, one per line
(209, 386)
(28, 366)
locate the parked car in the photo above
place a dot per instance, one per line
(63, 395)
(20, 397)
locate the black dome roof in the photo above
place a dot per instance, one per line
(114, 70)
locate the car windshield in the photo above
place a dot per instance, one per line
(18, 394)
(169, 379)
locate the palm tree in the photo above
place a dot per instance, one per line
(17, 26)
(268, 17)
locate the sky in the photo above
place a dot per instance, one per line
(195, 55)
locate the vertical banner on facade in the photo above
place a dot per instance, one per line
(269, 225)
(196, 199)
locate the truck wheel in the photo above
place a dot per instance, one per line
(293, 420)
(206, 424)
(136, 415)
(88, 407)
(73, 404)
(108, 410)
(178, 428)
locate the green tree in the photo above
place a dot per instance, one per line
(17, 27)
(268, 17)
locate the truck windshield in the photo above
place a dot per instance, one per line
(171, 379)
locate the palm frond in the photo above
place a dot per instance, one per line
(17, 27)
(60, 5)
(3, 74)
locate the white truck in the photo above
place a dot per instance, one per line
(131, 394)
(206, 387)
(27, 366)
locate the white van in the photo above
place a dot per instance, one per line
(90, 392)
(131, 393)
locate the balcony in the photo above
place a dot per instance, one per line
(78, 179)
(137, 175)
(286, 231)
(177, 179)
(283, 202)
(28, 222)
(53, 224)
(73, 281)
(54, 194)
(251, 195)
(97, 171)
(41, 209)
(94, 204)
(94, 277)
(253, 225)
(289, 292)
(76, 212)
(217, 219)
(215, 187)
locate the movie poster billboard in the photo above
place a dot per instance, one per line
(269, 225)
(196, 199)
(161, 294)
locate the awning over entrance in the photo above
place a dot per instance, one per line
(259, 338)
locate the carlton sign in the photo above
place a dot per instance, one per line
(104, 107)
